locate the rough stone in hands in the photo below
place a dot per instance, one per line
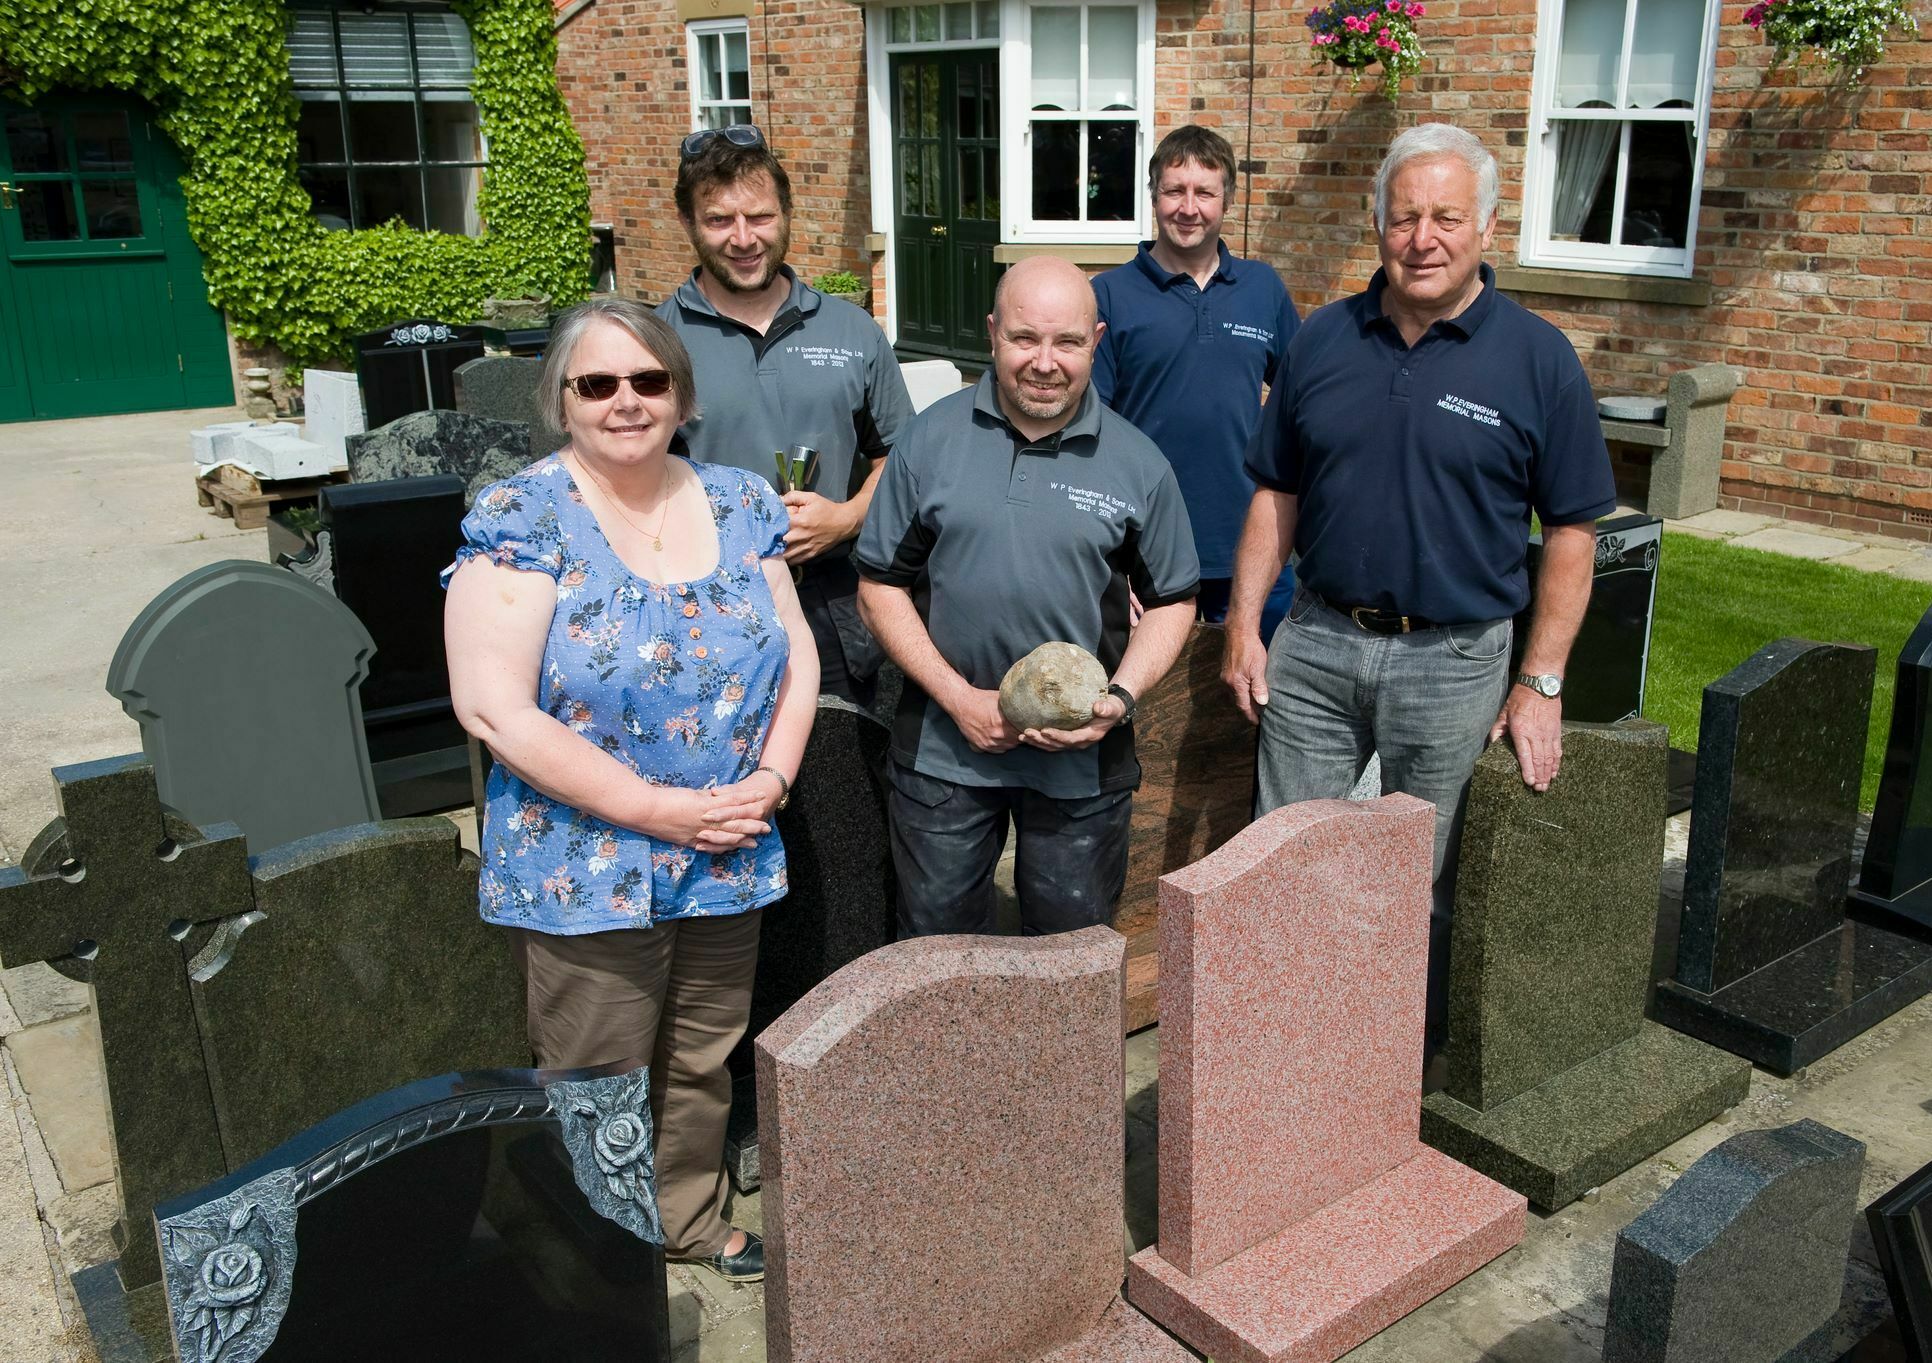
(1053, 687)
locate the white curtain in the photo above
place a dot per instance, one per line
(1582, 151)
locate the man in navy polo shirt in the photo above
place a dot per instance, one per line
(1415, 428)
(1192, 335)
(1013, 513)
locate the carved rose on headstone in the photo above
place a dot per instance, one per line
(1053, 687)
(620, 1143)
(232, 1275)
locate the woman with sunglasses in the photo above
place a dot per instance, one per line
(624, 635)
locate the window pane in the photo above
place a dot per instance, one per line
(1056, 171)
(926, 23)
(710, 67)
(375, 49)
(451, 132)
(989, 18)
(452, 201)
(1656, 197)
(329, 195)
(735, 113)
(47, 211)
(908, 120)
(959, 20)
(909, 195)
(929, 101)
(444, 55)
(901, 25)
(311, 48)
(969, 182)
(1586, 183)
(391, 192)
(35, 144)
(1586, 72)
(102, 142)
(929, 175)
(318, 132)
(1666, 53)
(1056, 57)
(737, 66)
(1110, 172)
(383, 130)
(110, 209)
(1112, 40)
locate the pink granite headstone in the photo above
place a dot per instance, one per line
(1299, 1211)
(941, 1125)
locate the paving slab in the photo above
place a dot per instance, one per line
(1878, 558)
(60, 1067)
(39, 993)
(1721, 522)
(32, 1329)
(1797, 543)
(1915, 570)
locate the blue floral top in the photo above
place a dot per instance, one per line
(676, 680)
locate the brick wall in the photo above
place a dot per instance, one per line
(1815, 235)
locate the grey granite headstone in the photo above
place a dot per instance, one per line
(332, 402)
(504, 387)
(1743, 1256)
(841, 904)
(476, 449)
(244, 679)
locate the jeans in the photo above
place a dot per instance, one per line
(1423, 701)
(947, 838)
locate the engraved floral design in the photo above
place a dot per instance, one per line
(607, 1127)
(620, 1143)
(420, 334)
(226, 1270)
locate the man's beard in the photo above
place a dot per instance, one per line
(715, 265)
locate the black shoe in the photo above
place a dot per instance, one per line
(746, 1266)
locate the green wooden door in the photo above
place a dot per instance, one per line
(946, 198)
(102, 306)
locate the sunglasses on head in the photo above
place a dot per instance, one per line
(738, 135)
(646, 383)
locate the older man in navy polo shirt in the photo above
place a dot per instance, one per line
(1019, 511)
(1192, 335)
(1415, 428)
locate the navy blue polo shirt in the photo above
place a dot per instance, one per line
(1417, 467)
(1186, 365)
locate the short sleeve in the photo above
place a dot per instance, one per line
(1106, 363)
(1166, 568)
(764, 514)
(511, 523)
(888, 406)
(1571, 481)
(1273, 459)
(1287, 321)
(893, 544)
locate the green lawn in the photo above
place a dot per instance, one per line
(1717, 605)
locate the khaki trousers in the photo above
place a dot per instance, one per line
(677, 994)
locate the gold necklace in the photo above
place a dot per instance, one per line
(656, 537)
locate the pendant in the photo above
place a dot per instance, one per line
(657, 544)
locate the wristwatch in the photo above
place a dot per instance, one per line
(1545, 684)
(1125, 697)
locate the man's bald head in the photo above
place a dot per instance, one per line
(1044, 329)
(1042, 278)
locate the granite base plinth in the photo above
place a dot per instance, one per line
(1123, 1335)
(1582, 1128)
(1910, 914)
(741, 1135)
(1808, 1003)
(125, 1327)
(1334, 1278)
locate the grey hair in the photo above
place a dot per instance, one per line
(1433, 141)
(644, 326)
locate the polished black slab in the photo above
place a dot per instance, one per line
(1901, 1226)
(1611, 656)
(410, 366)
(1808, 1002)
(1895, 882)
(1780, 751)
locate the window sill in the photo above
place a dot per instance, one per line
(1095, 253)
(1629, 288)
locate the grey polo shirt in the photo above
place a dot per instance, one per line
(1006, 543)
(822, 375)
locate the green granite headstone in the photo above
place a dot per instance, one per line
(1556, 1081)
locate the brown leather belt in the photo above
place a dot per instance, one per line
(1376, 620)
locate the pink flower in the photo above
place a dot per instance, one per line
(1326, 39)
(1393, 6)
(1415, 9)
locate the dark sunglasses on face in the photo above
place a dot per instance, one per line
(738, 135)
(646, 383)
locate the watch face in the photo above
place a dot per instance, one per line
(1549, 686)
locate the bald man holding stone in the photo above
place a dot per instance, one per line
(1017, 513)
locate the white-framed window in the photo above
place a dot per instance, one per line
(720, 81)
(1078, 98)
(1621, 109)
(386, 128)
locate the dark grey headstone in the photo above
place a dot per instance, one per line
(1743, 1256)
(1895, 881)
(1901, 1226)
(245, 681)
(843, 893)
(476, 449)
(440, 1221)
(1767, 966)
(504, 388)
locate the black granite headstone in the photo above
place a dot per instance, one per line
(389, 540)
(842, 898)
(1895, 883)
(476, 449)
(1743, 1256)
(1767, 966)
(246, 681)
(439, 1221)
(411, 366)
(504, 388)
(1901, 1225)
(1610, 658)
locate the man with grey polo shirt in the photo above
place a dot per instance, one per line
(1412, 433)
(1013, 513)
(779, 364)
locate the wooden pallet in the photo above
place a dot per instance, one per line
(238, 495)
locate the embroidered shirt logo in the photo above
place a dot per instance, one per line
(1241, 331)
(826, 356)
(1475, 411)
(1101, 504)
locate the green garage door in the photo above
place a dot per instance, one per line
(102, 305)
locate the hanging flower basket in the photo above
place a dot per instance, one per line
(1353, 34)
(1846, 35)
